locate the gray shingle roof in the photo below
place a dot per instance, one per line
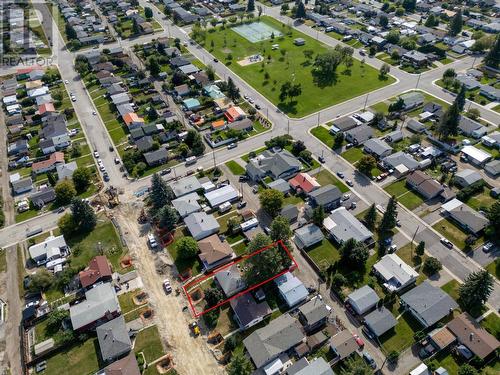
(363, 299)
(280, 335)
(314, 311)
(429, 302)
(326, 195)
(380, 321)
(309, 235)
(199, 223)
(113, 338)
(342, 225)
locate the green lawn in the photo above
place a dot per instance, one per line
(127, 301)
(148, 341)
(492, 324)
(353, 155)
(235, 168)
(494, 268)
(323, 135)
(183, 264)
(26, 215)
(408, 255)
(240, 248)
(291, 66)
(324, 253)
(481, 200)
(405, 196)
(258, 151)
(401, 336)
(324, 178)
(451, 232)
(77, 359)
(451, 288)
(292, 199)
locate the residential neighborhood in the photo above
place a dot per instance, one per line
(242, 187)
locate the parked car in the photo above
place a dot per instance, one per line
(359, 341)
(255, 189)
(369, 359)
(487, 247)
(117, 161)
(349, 183)
(105, 175)
(340, 174)
(346, 196)
(427, 350)
(40, 366)
(392, 249)
(243, 178)
(241, 204)
(231, 146)
(152, 241)
(167, 286)
(353, 205)
(446, 243)
(166, 171)
(321, 159)
(96, 154)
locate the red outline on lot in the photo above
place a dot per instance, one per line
(238, 260)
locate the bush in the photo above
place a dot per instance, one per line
(473, 189)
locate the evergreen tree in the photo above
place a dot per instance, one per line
(251, 5)
(449, 122)
(460, 99)
(420, 250)
(233, 92)
(389, 219)
(84, 217)
(167, 217)
(431, 21)
(456, 23)
(318, 216)
(148, 13)
(492, 59)
(371, 217)
(301, 11)
(135, 27)
(70, 32)
(409, 5)
(161, 194)
(476, 289)
(154, 67)
(239, 365)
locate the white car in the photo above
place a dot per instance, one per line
(167, 286)
(66, 81)
(346, 196)
(102, 168)
(487, 247)
(96, 154)
(446, 243)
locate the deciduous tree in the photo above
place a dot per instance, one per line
(84, 217)
(187, 247)
(65, 191)
(81, 179)
(366, 164)
(271, 201)
(432, 265)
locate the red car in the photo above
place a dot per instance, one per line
(359, 341)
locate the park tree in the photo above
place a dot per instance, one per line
(280, 229)
(338, 139)
(265, 264)
(354, 254)
(460, 99)
(420, 249)
(84, 217)
(251, 5)
(167, 218)
(384, 70)
(318, 215)
(370, 217)
(366, 164)
(476, 289)
(388, 221)
(448, 125)
(81, 179)
(148, 12)
(383, 21)
(239, 365)
(300, 11)
(154, 67)
(187, 247)
(432, 266)
(492, 59)
(233, 92)
(271, 201)
(161, 194)
(326, 64)
(456, 23)
(65, 192)
(467, 369)
(259, 11)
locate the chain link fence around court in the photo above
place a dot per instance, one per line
(256, 31)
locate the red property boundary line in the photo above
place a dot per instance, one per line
(212, 273)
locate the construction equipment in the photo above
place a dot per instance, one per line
(195, 329)
(111, 194)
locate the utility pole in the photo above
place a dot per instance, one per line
(288, 127)
(213, 154)
(366, 101)
(319, 113)
(418, 80)
(412, 239)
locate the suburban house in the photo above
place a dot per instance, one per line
(343, 124)
(185, 186)
(65, 171)
(428, 304)
(279, 336)
(43, 196)
(379, 321)
(291, 289)
(187, 204)
(476, 156)
(327, 196)
(98, 270)
(359, 134)
(415, 58)
(343, 344)
(466, 217)
(280, 185)
(156, 157)
(51, 248)
(114, 340)
(378, 148)
(291, 212)
(230, 280)
(308, 236)
(222, 195)
(48, 164)
(394, 273)
(303, 367)
(304, 182)
(469, 333)
(201, 225)
(471, 128)
(399, 158)
(411, 100)
(100, 305)
(313, 314)
(424, 184)
(281, 164)
(124, 366)
(341, 225)
(363, 299)
(466, 177)
(493, 168)
(415, 126)
(248, 312)
(22, 185)
(214, 252)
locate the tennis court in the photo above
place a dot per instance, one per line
(256, 31)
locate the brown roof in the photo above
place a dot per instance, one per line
(443, 338)
(344, 343)
(56, 157)
(125, 366)
(424, 184)
(473, 336)
(212, 249)
(97, 269)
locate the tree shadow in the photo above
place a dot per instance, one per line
(324, 80)
(289, 107)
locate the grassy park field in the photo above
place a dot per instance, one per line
(287, 62)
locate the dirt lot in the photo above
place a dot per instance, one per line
(191, 355)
